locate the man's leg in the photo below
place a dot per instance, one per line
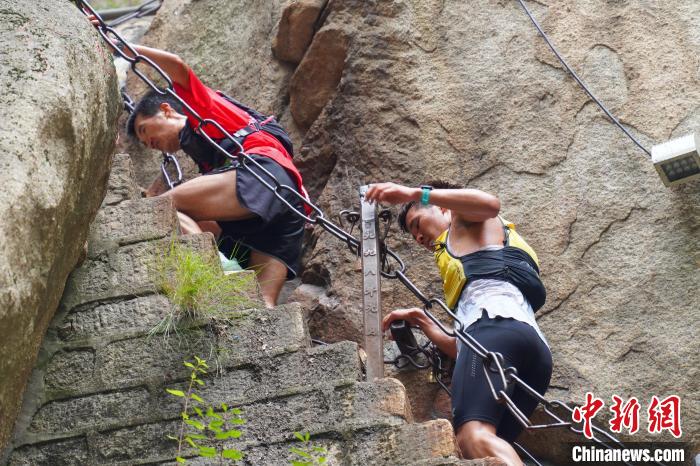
(210, 226)
(271, 275)
(210, 197)
(190, 227)
(477, 439)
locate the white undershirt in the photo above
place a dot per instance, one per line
(497, 298)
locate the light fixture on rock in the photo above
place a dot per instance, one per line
(677, 160)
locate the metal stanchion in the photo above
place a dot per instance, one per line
(371, 289)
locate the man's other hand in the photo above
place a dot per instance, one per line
(409, 315)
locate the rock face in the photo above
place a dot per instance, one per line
(317, 77)
(59, 104)
(98, 394)
(296, 29)
(467, 91)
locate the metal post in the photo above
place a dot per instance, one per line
(371, 289)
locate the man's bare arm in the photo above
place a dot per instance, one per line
(416, 317)
(470, 205)
(172, 64)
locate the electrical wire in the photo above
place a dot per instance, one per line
(579, 81)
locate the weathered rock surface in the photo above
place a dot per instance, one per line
(59, 104)
(316, 78)
(296, 29)
(468, 91)
(97, 395)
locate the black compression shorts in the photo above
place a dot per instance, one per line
(275, 230)
(522, 348)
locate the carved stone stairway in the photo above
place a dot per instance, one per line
(97, 394)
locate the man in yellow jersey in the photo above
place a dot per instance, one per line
(491, 282)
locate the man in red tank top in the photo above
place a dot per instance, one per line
(229, 201)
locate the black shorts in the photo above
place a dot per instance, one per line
(522, 348)
(275, 230)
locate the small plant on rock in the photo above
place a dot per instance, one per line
(307, 454)
(202, 429)
(197, 287)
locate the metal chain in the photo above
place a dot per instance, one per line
(316, 216)
(493, 362)
(149, 7)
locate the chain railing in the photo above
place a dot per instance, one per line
(120, 16)
(493, 362)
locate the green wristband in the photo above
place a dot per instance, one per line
(425, 197)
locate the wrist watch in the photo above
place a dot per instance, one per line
(425, 196)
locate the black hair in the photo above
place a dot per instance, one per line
(148, 106)
(437, 184)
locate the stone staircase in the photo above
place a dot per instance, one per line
(97, 394)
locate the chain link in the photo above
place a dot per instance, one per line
(147, 8)
(492, 362)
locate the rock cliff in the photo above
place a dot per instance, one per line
(59, 104)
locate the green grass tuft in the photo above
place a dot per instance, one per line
(198, 288)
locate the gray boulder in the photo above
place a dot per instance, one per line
(59, 104)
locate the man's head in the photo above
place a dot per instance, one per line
(426, 222)
(157, 121)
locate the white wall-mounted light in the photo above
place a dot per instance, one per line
(677, 160)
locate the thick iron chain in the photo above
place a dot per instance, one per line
(493, 362)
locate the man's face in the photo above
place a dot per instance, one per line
(426, 224)
(162, 130)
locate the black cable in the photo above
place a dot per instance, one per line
(580, 82)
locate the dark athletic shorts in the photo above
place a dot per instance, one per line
(275, 230)
(521, 347)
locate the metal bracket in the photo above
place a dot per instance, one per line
(371, 288)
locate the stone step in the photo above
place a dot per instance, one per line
(324, 410)
(125, 272)
(65, 408)
(131, 221)
(121, 185)
(121, 364)
(428, 443)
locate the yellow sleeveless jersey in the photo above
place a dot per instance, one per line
(452, 270)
